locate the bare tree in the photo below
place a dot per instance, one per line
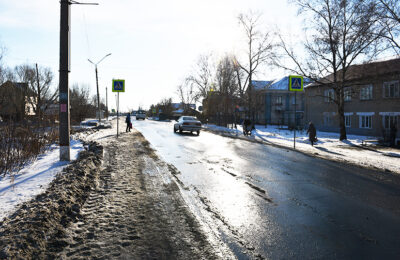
(39, 81)
(187, 94)
(202, 76)
(79, 102)
(342, 33)
(259, 51)
(227, 88)
(389, 13)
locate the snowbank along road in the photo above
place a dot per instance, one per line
(136, 212)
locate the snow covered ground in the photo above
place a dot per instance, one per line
(34, 178)
(328, 146)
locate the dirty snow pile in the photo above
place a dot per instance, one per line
(34, 178)
(328, 146)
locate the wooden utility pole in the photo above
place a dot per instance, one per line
(39, 100)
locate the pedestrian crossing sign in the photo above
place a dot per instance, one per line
(295, 83)
(118, 85)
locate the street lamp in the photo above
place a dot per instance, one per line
(97, 83)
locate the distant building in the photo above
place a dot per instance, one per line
(277, 103)
(181, 109)
(16, 101)
(372, 100)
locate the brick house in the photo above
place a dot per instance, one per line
(372, 100)
(16, 101)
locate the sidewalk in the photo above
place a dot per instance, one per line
(328, 146)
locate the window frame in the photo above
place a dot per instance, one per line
(366, 92)
(347, 120)
(367, 123)
(347, 94)
(391, 87)
(327, 119)
(329, 95)
(276, 99)
(388, 120)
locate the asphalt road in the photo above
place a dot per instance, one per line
(268, 202)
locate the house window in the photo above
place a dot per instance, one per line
(347, 120)
(391, 89)
(278, 100)
(366, 92)
(388, 121)
(365, 121)
(347, 94)
(329, 95)
(327, 119)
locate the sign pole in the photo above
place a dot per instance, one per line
(295, 121)
(118, 85)
(295, 84)
(117, 114)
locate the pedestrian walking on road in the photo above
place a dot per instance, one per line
(128, 123)
(393, 132)
(312, 133)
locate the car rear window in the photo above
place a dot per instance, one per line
(189, 118)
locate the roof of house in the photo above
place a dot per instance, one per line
(22, 86)
(260, 84)
(280, 84)
(367, 70)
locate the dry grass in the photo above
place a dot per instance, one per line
(21, 143)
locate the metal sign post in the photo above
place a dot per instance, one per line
(295, 84)
(118, 85)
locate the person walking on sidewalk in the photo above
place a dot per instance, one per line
(128, 123)
(393, 132)
(312, 133)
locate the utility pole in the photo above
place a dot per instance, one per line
(98, 96)
(106, 103)
(39, 100)
(65, 50)
(65, 25)
(97, 84)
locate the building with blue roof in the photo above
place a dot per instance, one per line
(276, 104)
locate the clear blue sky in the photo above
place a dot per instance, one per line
(154, 44)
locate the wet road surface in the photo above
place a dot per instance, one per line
(269, 202)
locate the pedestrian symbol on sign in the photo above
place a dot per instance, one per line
(295, 83)
(118, 85)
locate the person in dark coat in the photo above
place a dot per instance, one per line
(393, 132)
(128, 123)
(246, 126)
(312, 133)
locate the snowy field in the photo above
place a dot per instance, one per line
(328, 146)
